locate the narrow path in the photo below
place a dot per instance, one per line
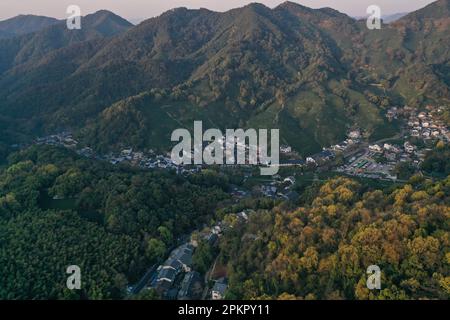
(208, 278)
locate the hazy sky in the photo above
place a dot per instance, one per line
(133, 9)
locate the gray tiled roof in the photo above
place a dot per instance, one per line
(220, 287)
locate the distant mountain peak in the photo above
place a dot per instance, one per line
(102, 15)
(176, 12)
(292, 5)
(31, 16)
(25, 23)
(316, 16)
(332, 11)
(107, 22)
(256, 5)
(255, 9)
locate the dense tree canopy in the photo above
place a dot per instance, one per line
(57, 209)
(437, 161)
(323, 249)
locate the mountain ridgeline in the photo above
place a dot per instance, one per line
(312, 73)
(24, 24)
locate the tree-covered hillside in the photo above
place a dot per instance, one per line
(57, 209)
(23, 24)
(323, 249)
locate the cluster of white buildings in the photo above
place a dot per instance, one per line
(64, 139)
(141, 159)
(424, 125)
(148, 160)
(354, 137)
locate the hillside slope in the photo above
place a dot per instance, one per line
(23, 24)
(313, 73)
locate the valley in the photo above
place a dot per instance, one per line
(88, 179)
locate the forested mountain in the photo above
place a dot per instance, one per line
(412, 56)
(313, 73)
(24, 24)
(32, 47)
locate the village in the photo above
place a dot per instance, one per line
(144, 160)
(420, 130)
(420, 133)
(176, 279)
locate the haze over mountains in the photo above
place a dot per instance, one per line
(388, 18)
(393, 17)
(313, 73)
